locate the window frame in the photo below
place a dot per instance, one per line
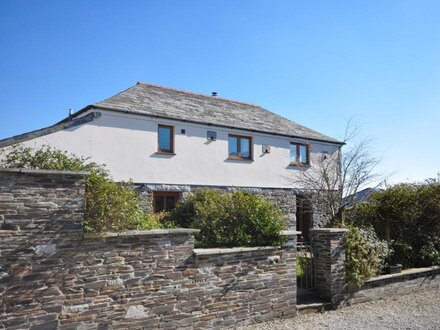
(251, 147)
(165, 194)
(165, 151)
(297, 158)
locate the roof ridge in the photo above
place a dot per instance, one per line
(196, 94)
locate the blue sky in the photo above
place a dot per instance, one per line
(318, 63)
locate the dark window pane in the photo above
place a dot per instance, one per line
(233, 146)
(302, 154)
(245, 148)
(304, 217)
(293, 153)
(165, 138)
(159, 203)
(171, 202)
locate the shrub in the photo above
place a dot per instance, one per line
(230, 219)
(365, 255)
(114, 207)
(410, 215)
(47, 158)
(109, 206)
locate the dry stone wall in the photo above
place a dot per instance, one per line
(329, 254)
(52, 276)
(385, 286)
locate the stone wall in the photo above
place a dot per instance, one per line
(53, 276)
(286, 198)
(38, 204)
(146, 279)
(386, 286)
(329, 254)
(330, 276)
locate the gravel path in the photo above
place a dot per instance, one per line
(419, 310)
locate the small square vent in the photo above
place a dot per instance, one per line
(266, 148)
(211, 135)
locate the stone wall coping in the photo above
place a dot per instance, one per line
(405, 272)
(203, 252)
(151, 232)
(290, 232)
(329, 230)
(38, 171)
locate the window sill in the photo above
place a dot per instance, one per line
(303, 165)
(165, 153)
(240, 159)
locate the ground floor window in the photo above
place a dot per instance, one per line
(164, 200)
(304, 218)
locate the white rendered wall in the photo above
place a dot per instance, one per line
(127, 144)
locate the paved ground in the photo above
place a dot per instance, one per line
(420, 310)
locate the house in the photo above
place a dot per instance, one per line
(171, 142)
(364, 195)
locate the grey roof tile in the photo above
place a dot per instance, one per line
(170, 103)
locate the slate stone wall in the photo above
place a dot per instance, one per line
(395, 284)
(330, 276)
(53, 276)
(39, 204)
(329, 253)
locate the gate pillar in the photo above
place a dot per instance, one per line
(328, 247)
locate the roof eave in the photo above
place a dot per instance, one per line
(62, 124)
(202, 123)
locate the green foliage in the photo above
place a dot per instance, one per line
(410, 215)
(365, 255)
(299, 268)
(109, 206)
(114, 207)
(303, 266)
(230, 219)
(47, 158)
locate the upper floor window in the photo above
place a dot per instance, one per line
(299, 154)
(239, 147)
(165, 139)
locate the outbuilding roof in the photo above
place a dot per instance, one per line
(162, 102)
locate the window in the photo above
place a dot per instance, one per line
(164, 200)
(240, 147)
(299, 154)
(165, 139)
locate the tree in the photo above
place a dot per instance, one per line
(333, 180)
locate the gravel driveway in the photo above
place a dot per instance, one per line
(419, 310)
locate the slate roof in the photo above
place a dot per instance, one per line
(360, 197)
(158, 101)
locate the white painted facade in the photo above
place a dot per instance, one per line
(127, 144)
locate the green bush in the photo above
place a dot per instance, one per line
(365, 255)
(410, 215)
(114, 207)
(109, 206)
(47, 158)
(230, 219)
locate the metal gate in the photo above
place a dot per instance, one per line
(305, 266)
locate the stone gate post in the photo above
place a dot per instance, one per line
(329, 250)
